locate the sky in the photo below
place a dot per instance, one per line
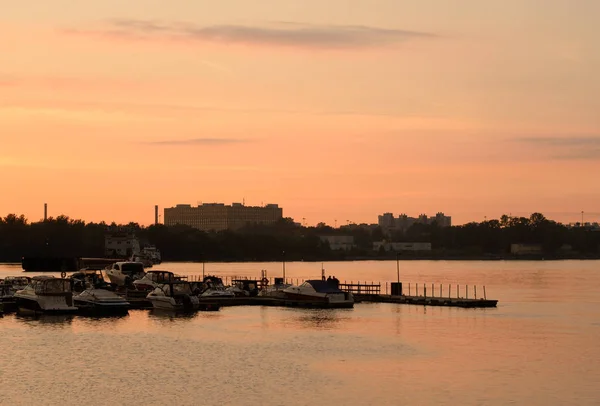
(337, 111)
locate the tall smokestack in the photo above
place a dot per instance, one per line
(156, 215)
(45, 211)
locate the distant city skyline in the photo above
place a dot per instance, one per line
(147, 218)
(342, 109)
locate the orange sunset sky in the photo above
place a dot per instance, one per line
(336, 110)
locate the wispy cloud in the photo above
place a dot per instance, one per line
(198, 141)
(286, 34)
(567, 147)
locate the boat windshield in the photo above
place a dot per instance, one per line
(52, 286)
(182, 289)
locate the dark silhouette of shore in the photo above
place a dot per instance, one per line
(288, 241)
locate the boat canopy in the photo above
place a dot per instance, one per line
(322, 286)
(51, 286)
(172, 289)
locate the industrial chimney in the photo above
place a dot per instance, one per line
(45, 211)
(156, 215)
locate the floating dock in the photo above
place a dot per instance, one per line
(427, 301)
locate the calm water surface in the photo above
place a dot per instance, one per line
(541, 346)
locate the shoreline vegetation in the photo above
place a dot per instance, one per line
(288, 241)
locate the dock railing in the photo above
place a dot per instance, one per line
(358, 288)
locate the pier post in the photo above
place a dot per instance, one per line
(432, 290)
(484, 296)
(441, 291)
(457, 291)
(475, 287)
(409, 288)
(449, 291)
(425, 291)
(467, 289)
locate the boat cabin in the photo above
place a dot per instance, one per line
(321, 286)
(248, 285)
(160, 276)
(50, 286)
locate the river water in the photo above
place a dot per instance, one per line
(541, 346)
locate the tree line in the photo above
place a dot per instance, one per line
(286, 240)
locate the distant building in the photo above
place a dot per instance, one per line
(339, 242)
(390, 224)
(121, 245)
(402, 246)
(218, 216)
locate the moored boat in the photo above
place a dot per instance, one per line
(46, 294)
(8, 287)
(212, 287)
(94, 296)
(320, 293)
(174, 296)
(152, 279)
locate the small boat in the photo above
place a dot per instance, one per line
(175, 296)
(212, 286)
(320, 293)
(124, 273)
(46, 294)
(152, 279)
(244, 287)
(8, 287)
(93, 295)
(275, 290)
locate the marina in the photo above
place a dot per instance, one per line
(129, 286)
(376, 352)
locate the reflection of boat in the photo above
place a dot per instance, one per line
(94, 294)
(176, 295)
(46, 294)
(124, 273)
(320, 292)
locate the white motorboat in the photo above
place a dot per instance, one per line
(152, 279)
(175, 296)
(320, 293)
(275, 290)
(212, 286)
(93, 294)
(46, 294)
(124, 273)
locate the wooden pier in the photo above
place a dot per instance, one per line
(427, 301)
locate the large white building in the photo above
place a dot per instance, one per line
(218, 216)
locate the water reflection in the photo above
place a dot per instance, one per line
(160, 314)
(116, 317)
(36, 319)
(320, 318)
